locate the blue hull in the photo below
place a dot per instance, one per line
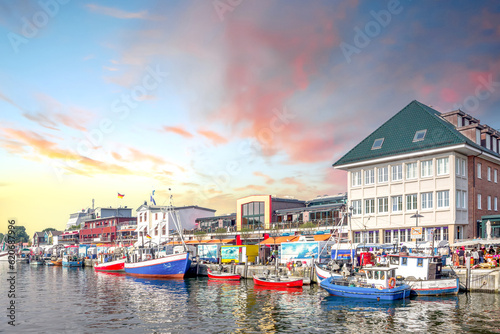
(171, 266)
(399, 292)
(72, 264)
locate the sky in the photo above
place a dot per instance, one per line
(219, 99)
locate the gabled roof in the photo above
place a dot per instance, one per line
(399, 131)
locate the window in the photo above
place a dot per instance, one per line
(445, 233)
(411, 202)
(397, 172)
(357, 237)
(356, 178)
(479, 201)
(426, 201)
(377, 143)
(464, 169)
(383, 205)
(420, 262)
(489, 203)
(478, 136)
(426, 168)
(487, 139)
(419, 135)
(443, 199)
(489, 174)
(443, 166)
(464, 200)
(495, 204)
(383, 174)
(458, 164)
(459, 199)
(404, 261)
(356, 205)
(478, 171)
(369, 206)
(253, 214)
(397, 203)
(495, 176)
(387, 236)
(411, 170)
(369, 176)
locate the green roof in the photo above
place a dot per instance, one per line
(398, 133)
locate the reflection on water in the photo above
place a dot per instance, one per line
(58, 299)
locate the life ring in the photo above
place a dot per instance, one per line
(148, 257)
(392, 283)
(289, 265)
(380, 287)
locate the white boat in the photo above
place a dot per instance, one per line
(326, 271)
(423, 273)
(4, 251)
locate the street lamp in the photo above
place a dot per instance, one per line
(416, 216)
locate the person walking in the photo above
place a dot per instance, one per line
(475, 256)
(461, 255)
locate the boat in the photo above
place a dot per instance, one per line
(56, 261)
(423, 273)
(374, 283)
(220, 275)
(111, 266)
(326, 271)
(168, 266)
(4, 251)
(278, 281)
(36, 260)
(70, 260)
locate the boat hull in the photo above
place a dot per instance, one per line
(223, 276)
(4, 256)
(322, 274)
(296, 283)
(36, 263)
(57, 262)
(438, 287)
(399, 292)
(170, 266)
(72, 263)
(113, 266)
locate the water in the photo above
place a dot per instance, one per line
(78, 300)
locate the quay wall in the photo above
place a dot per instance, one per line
(481, 280)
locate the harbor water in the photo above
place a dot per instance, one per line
(78, 300)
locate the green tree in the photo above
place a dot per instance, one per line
(220, 233)
(1, 237)
(245, 234)
(307, 226)
(20, 234)
(49, 229)
(200, 235)
(75, 227)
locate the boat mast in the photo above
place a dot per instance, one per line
(176, 220)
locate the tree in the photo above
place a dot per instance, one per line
(307, 226)
(20, 234)
(245, 233)
(1, 237)
(220, 233)
(48, 229)
(200, 235)
(75, 227)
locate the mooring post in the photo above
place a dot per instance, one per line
(197, 265)
(467, 274)
(246, 266)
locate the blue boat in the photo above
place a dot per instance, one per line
(377, 283)
(71, 261)
(169, 266)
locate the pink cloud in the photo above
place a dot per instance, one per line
(212, 136)
(269, 180)
(178, 130)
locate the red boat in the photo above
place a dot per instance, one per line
(113, 266)
(281, 282)
(223, 276)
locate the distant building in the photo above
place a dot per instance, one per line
(104, 230)
(211, 224)
(443, 166)
(39, 239)
(79, 218)
(158, 221)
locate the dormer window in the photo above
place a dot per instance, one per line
(377, 144)
(419, 135)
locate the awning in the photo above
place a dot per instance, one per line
(140, 228)
(279, 240)
(322, 237)
(223, 241)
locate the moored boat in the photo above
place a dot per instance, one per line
(71, 261)
(169, 266)
(277, 281)
(377, 283)
(36, 260)
(219, 275)
(111, 266)
(423, 273)
(323, 272)
(56, 261)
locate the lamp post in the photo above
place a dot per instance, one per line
(416, 216)
(351, 209)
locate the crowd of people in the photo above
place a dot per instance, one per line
(478, 255)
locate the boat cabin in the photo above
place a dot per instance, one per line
(379, 277)
(424, 267)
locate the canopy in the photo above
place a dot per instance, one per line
(476, 242)
(279, 240)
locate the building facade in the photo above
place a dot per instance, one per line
(420, 170)
(104, 230)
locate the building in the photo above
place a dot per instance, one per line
(54, 237)
(159, 221)
(259, 211)
(421, 167)
(211, 224)
(78, 218)
(69, 238)
(39, 239)
(105, 230)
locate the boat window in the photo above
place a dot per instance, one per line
(369, 274)
(404, 261)
(420, 262)
(394, 260)
(382, 275)
(375, 276)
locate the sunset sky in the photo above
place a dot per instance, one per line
(219, 99)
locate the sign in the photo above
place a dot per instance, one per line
(416, 232)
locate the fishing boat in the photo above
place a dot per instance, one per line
(278, 281)
(423, 273)
(375, 283)
(4, 251)
(70, 260)
(168, 266)
(36, 260)
(111, 266)
(56, 261)
(220, 275)
(326, 271)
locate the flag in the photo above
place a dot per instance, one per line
(120, 195)
(151, 198)
(148, 236)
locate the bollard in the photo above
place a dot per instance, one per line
(197, 265)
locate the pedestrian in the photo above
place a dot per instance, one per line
(491, 251)
(481, 255)
(475, 256)
(461, 255)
